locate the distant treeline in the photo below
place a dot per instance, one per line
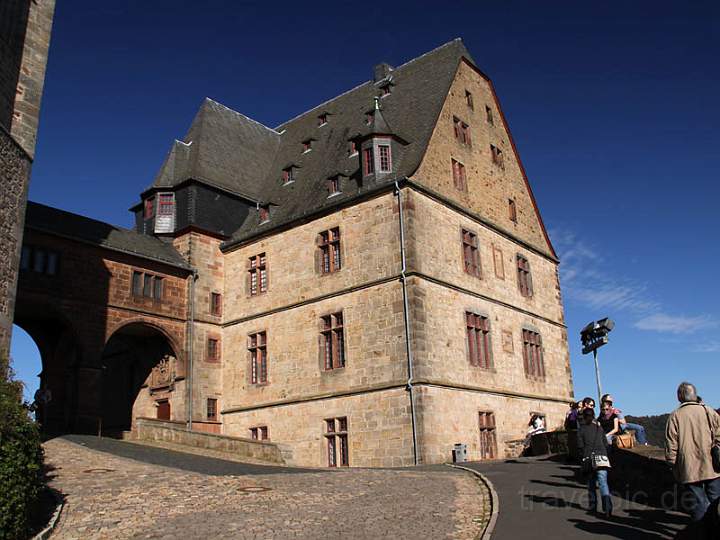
(654, 427)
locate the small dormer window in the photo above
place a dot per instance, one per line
(322, 119)
(385, 89)
(385, 158)
(352, 148)
(368, 161)
(264, 213)
(165, 213)
(334, 185)
(307, 145)
(149, 208)
(369, 116)
(288, 175)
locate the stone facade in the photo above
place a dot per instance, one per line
(24, 41)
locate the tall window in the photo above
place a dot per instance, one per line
(149, 208)
(333, 341)
(166, 204)
(258, 358)
(462, 131)
(213, 350)
(497, 156)
(215, 304)
(259, 433)
(368, 161)
(532, 354)
(329, 243)
(459, 179)
(512, 210)
(212, 410)
(336, 435)
(469, 99)
(488, 441)
(524, 276)
(385, 163)
(471, 255)
(147, 285)
(257, 274)
(489, 115)
(478, 337)
(334, 185)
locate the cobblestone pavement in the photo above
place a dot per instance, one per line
(108, 496)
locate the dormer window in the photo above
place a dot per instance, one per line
(368, 161)
(352, 148)
(369, 116)
(385, 158)
(334, 185)
(149, 208)
(385, 90)
(264, 213)
(322, 119)
(307, 145)
(165, 217)
(288, 175)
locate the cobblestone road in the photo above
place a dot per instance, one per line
(107, 496)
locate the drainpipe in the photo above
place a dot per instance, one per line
(406, 317)
(191, 341)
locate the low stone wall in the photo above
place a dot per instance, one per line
(158, 431)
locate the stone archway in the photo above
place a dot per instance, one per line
(141, 377)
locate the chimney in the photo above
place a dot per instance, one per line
(382, 71)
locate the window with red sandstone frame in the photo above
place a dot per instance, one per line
(532, 354)
(259, 433)
(524, 276)
(257, 345)
(213, 350)
(333, 341)
(462, 131)
(488, 440)
(212, 409)
(257, 275)
(336, 436)
(459, 178)
(368, 161)
(329, 245)
(478, 337)
(385, 159)
(471, 254)
(215, 304)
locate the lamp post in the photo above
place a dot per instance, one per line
(594, 336)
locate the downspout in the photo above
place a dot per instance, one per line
(189, 378)
(406, 317)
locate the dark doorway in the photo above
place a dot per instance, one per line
(163, 409)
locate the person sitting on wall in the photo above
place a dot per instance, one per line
(639, 430)
(535, 425)
(609, 421)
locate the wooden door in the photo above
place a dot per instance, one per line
(163, 410)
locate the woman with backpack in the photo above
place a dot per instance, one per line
(592, 447)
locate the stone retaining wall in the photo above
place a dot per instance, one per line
(158, 431)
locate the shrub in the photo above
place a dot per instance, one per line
(21, 458)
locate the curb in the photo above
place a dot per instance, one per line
(47, 531)
(494, 501)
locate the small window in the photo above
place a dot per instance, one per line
(146, 285)
(336, 437)
(533, 354)
(322, 119)
(334, 185)
(212, 410)
(385, 90)
(264, 213)
(524, 276)
(333, 341)
(213, 350)
(469, 100)
(489, 116)
(488, 439)
(462, 131)
(258, 358)
(288, 175)
(478, 338)
(307, 145)
(149, 208)
(25, 258)
(329, 244)
(497, 156)
(166, 204)
(257, 274)
(369, 116)
(157, 288)
(215, 304)
(368, 161)
(471, 254)
(259, 433)
(39, 260)
(137, 281)
(459, 179)
(51, 263)
(385, 158)
(352, 148)
(38, 264)
(512, 210)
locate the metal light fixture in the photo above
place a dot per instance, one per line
(594, 336)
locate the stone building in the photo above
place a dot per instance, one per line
(367, 283)
(24, 40)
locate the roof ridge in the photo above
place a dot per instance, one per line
(55, 208)
(211, 100)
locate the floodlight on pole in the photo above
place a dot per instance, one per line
(594, 336)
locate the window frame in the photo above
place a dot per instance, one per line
(213, 349)
(259, 433)
(489, 116)
(257, 347)
(459, 175)
(533, 357)
(524, 276)
(461, 129)
(469, 100)
(332, 341)
(470, 248)
(487, 427)
(330, 258)
(479, 340)
(337, 438)
(368, 154)
(288, 175)
(216, 304)
(149, 208)
(497, 156)
(334, 185)
(145, 285)
(384, 161)
(258, 280)
(512, 210)
(214, 409)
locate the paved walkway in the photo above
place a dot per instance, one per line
(115, 489)
(540, 498)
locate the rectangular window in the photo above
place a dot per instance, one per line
(333, 341)
(469, 100)
(385, 163)
(471, 254)
(368, 161)
(137, 284)
(149, 208)
(263, 213)
(329, 244)
(257, 272)
(258, 358)
(524, 276)
(51, 263)
(215, 304)
(39, 261)
(322, 119)
(369, 116)
(166, 204)
(147, 285)
(488, 440)
(25, 258)
(478, 337)
(334, 185)
(352, 148)
(512, 210)
(532, 354)
(213, 350)
(489, 115)
(459, 178)
(385, 90)
(497, 156)
(288, 175)
(307, 145)
(157, 288)
(336, 435)
(259, 433)
(212, 410)
(462, 131)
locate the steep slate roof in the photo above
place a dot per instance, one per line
(61, 223)
(419, 89)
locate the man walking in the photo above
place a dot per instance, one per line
(689, 434)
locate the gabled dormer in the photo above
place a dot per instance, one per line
(380, 147)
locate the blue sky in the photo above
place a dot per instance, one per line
(613, 106)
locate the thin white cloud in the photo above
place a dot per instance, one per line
(709, 347)
(675, 324)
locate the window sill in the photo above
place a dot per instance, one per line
(333, 371)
